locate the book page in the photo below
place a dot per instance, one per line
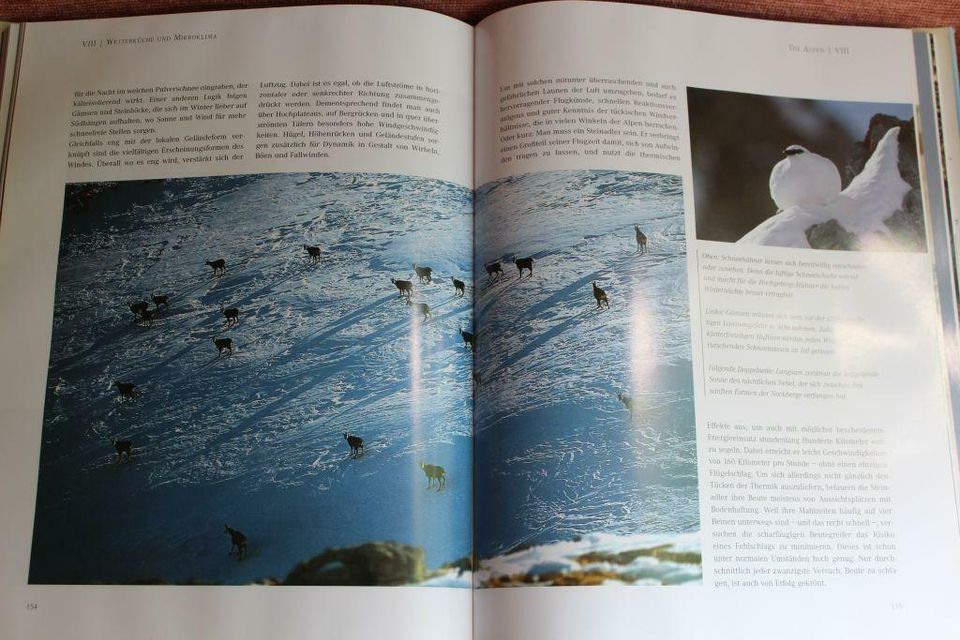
(235, 396)
(714, 331)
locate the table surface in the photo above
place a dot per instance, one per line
(879, 13)
(888, 13)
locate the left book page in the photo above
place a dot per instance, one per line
(232, 255)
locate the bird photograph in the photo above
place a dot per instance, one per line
(819, 174)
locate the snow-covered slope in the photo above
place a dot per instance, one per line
(557, 453)
(254, 439)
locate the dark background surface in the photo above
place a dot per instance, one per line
(886, 13)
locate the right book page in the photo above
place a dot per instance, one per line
(716, 325)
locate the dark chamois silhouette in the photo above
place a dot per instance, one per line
(468, 339)
(138, 307)
(403, 286)
(126, 389)
(238, 542)
(424, 273)
(600, 295)
(219, 266)
(627, 402)
(459, 285)
(641, 240)
(124, 448)
(146, 315)
(223, 343)
(494, 268)
(434, 474)
(160, 300)
(355, 442)
(313, 252)
(524, 263)
(232, 315)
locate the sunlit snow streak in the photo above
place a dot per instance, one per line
(642, 339)
(416, 427)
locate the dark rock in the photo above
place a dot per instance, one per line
(907, 229)
(371, 564)
(566, 579)
(831, 235)
(662, 553)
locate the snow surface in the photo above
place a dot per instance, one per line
(254, 439)
(870, 198)
(557, 454)
(450, 578)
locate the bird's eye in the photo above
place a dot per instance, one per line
(792, 151)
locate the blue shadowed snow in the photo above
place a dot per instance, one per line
(254, 439)
(557, 454)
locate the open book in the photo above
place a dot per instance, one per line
(648, 314)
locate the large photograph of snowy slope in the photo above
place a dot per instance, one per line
(250, 382)
(792, 172)
(585, 440)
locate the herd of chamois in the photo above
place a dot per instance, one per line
(495, 272)
(436, 475)
(145, 314)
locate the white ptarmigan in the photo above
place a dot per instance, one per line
(870, 198)
(803, 177)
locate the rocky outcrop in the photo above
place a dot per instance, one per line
(830, 235)
(664, 553)
(371, 564)
(591, 578)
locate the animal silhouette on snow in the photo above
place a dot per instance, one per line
(435, 475)
(238, 542)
